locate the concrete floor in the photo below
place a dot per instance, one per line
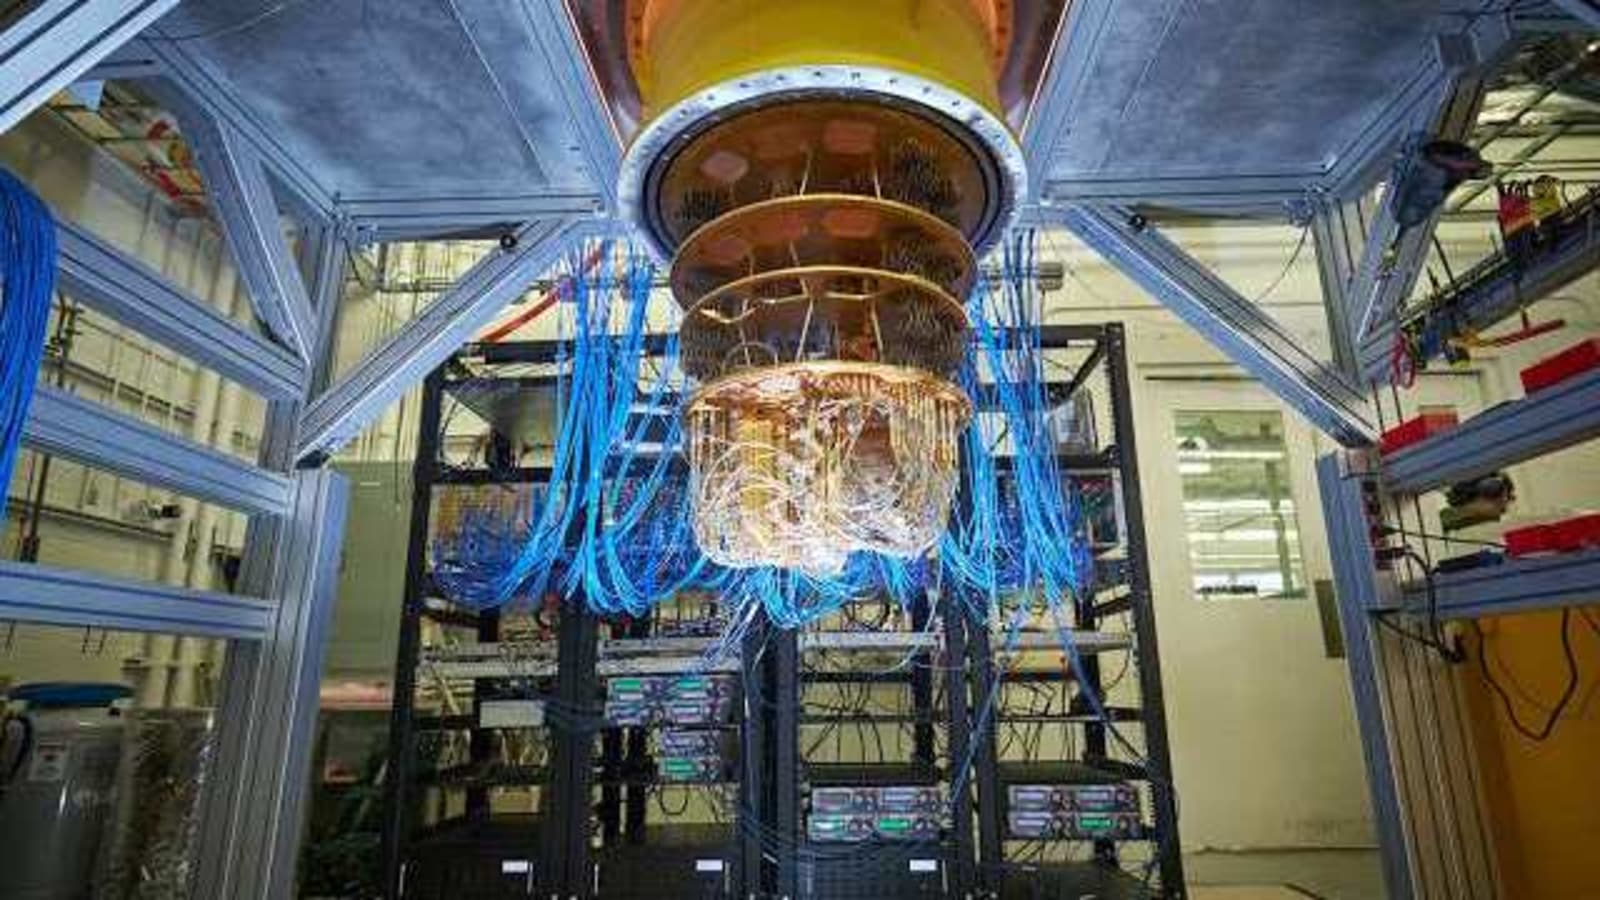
(1284, 875)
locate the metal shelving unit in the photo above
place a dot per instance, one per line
(1421, 767)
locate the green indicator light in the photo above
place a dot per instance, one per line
(894, 824)
(627, 684)
(1096, 823)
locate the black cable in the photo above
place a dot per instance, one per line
(1541, 734)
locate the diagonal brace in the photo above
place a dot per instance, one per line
(236, 182)
(1236, 326)
(438, 331)
(57, 41)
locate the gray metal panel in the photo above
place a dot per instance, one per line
(538, 64)
(57, 41)
(1354, 573)
(125, 289)
(1559, 416)
(1235, 325)
(236, 184)
(1515, 586)
(48, 595)
(187, 79)
(370, 102)
(1137, 84)
(438, 331)
(67, 425)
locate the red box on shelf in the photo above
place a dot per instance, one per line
(1574, 360)
(1566, 536)
(1419, 429)
(1530, 540)
(1576, 533)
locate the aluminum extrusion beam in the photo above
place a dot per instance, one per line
(1358, 592)
(64, 424)
(1515, 586)
(1585, 11)
(253, 815)
(550, 34)
(386, 219)
(1240, 195)
(1066, 77)
(58, 41)
(127, 290)
(1338, 234)
(438, 331)
(1448, 96)
(1557, 417)
(1229, 321)
(52, 596)
(236, 183)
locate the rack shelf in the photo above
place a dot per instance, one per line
(1552, 419)
(1521, 585)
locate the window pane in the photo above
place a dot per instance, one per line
(1238, 510)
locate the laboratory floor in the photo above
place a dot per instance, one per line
(1284, 875)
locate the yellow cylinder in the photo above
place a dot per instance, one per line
(679, 47)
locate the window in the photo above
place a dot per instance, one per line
(1238, 510)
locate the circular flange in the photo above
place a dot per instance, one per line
(683, 121)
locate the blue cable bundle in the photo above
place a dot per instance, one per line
(614, 524)
(27, 285)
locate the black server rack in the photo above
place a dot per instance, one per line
(594, 832)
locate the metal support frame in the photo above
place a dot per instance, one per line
(964, 850)
(1349, 537)
(784, 661)
(240, 193)
(566, 841)
(54, 596)
(1443, 104)
(1236, 326)
(255, 809)
(1152, 700)
(111, 281)
(438, 331)
(398, 802)
(58, 41)
(754, 768)
(1338, 232)
(67, 425)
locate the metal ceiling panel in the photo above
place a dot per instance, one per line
(1184, 102)
(393, 100)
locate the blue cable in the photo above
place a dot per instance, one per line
(27, 286)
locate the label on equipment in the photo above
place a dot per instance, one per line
(49, 762)
(515, 867)
(708, 865)
(923, 865)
